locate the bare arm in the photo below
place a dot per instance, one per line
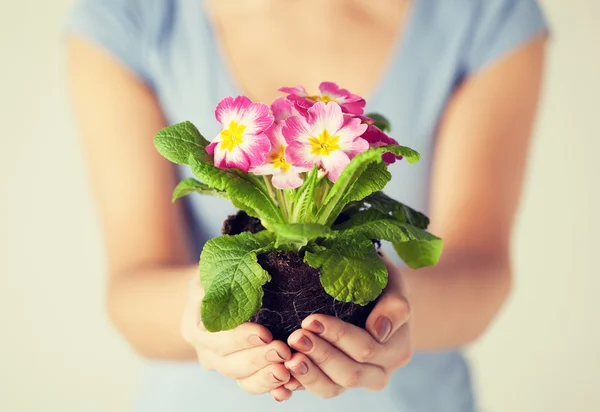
(477, 178)
(148, 267)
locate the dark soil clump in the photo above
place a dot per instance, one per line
(295, 290)
(241, 222)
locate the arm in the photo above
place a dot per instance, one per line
(478, 173)
(149, 294)
(148, 268)
(477, 179)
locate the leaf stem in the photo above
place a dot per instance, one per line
(269, 187)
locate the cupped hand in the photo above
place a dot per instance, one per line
(246, 354)
(334, 355)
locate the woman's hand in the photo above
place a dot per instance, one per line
(247, 353)
(334, 356)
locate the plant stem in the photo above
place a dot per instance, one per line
(282, 204)
(270, 188)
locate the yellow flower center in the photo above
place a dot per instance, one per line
(324, 98)
(278, 160)
(324, 144)
(232, 136)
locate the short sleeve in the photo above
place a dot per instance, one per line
(115, 25)
(501, 26)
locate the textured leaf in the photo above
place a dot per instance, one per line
(303, 201)
(299, 233)
(243, 190)
(351, 270)
(187, 186)
(415, 246)
(343, 191)
(177, 142)
(232, 281)
(385, 204)
(373, 179)
(381, 122)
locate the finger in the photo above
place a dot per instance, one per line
(265, 380)
(281, 394)
(392, 310)
(244, 363)
(245, 336)
(340, 368)
(311, 377)
(355, 342)
(293, 385)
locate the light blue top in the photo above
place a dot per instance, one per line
(170, 45)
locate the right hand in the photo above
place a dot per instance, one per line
(246, 354)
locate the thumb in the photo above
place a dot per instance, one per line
(392, 310)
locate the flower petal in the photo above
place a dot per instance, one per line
(296, 90)
(282, 108)
(287, 180)
(257, 118)
(299, 154)
(334, 164)
(275, 135)
(255, 148)
(296, 129)
(352, 129)
(333, 90)
(325, 116)
(230, 108)
(266, 169)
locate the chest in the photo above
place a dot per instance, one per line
(269, 44)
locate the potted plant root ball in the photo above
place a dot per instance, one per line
(307, 175)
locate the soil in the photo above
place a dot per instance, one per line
(295, 290)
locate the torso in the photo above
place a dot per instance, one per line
(271, 43)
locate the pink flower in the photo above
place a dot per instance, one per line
(324, 138)
(242, 143)
(285, 174)
(330, 92)
(282, 108)
(377, 138)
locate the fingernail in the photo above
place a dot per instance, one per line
(383, 326)
(256, 340)
(275, 378)
(276, 399)
(316, 327)
(292, 386)
(300, 369)
(303, 344)
(274, 356)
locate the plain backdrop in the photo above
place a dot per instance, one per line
(59, 353)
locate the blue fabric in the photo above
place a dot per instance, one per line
(169, 44)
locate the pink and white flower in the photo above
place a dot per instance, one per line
(376, 138)
(242, 143)
(324, 138)
(285, 174)
(329, 92)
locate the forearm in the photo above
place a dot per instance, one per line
(146, 306)
(454, 302)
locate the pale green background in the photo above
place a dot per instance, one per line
(58, 352)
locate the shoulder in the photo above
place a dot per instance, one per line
(127, 29)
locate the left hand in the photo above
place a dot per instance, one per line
(334, 355)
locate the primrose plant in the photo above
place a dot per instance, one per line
(311, 168)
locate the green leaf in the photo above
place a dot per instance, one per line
(373, 179)
(385, 204)
(381, 122)
(299, 233)
(304, 199)
(232, 281)
(177, 142)
(243, 190)
(351, 270)
(190, 185)
(415, 246)
(343, 191)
